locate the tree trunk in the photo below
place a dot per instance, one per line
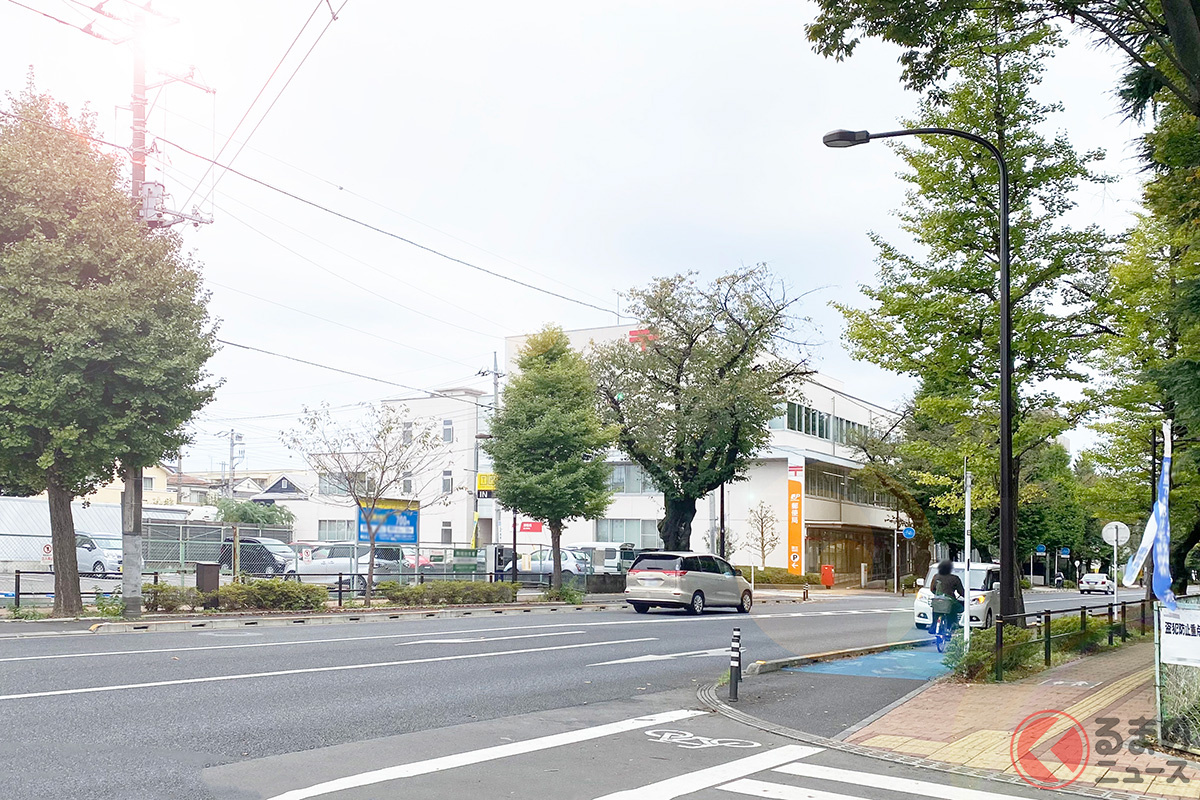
(675, 530)
(371, 568)
(555, 549)
(67, 599)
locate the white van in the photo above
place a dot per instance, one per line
(610, 557)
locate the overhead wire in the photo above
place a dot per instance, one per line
(81, 28)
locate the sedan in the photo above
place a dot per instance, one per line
(1096, 582)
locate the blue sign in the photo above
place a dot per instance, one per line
(1041, 549)
(1066, 551)
(909, 533)
(395, 522)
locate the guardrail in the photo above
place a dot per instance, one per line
(1045, 636)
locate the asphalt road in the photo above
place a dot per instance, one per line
(159, 715)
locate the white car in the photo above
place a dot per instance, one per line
(572, 562)
(328, 561)
(1096, 582)
(985, 595)
(97, 555)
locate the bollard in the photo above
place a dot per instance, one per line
(1046, 636)
(339, 590)
(1124, 624)
(16, 588)
(999, 648)
(1110, 623)
(155, 578)
(735, 664)
(806, 593)
(1083, 615)
(1142, 606)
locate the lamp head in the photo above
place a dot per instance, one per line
(844, 138)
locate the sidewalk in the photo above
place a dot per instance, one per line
(973, 725)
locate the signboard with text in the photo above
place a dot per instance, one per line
(795, 519)
(394, 521)
(1179, 636)
(531, 527)
(485, 485)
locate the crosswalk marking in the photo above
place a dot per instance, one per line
(712, 776)
(897, 784)
(779, 791)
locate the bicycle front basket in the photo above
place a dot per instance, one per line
(943, 605)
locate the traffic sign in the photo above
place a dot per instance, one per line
(909, 533)
(1041, 549)
(1115, 533)
(47, 553)
(1066, 551)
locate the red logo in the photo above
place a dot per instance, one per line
(531, 527)
(642, 337)
(1049, 733)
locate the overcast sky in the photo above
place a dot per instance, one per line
(582, 148)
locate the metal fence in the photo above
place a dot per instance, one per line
(1178, 689)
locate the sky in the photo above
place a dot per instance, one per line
(578, 148)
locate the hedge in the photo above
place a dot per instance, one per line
(434, 593)
(166, 597)
(273, 594)
(780, 575)
(1021, 657)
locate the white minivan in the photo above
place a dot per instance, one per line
(608, 557)
(985, 595)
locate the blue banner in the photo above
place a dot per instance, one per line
(1157, 534)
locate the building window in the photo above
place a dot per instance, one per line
(406, 483)
(447, 482)
(283, 484)
(336, 530)
(406, 436)
(641, 533)
(447, 430)
(147, 484)
(339, 485)
(629, 479)
(447, 532)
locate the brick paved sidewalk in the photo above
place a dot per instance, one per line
(973, 724)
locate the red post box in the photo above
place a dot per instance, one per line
(827, 575)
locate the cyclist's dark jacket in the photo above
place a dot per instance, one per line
(949, 585)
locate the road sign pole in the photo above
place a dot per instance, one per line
(967, 554)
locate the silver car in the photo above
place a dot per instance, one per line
(685, 580)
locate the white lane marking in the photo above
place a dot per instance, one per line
(714, 651)
(926, 788)
(201, 648)
(487, 754)
(309, 670)
(711, 776)
(488, 638)
(780, 791)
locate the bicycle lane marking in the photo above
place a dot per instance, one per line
(455, 760)
(713, 776)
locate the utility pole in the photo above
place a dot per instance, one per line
(967, 555)
(721, 529)
(496, 376)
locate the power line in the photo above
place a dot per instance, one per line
(81, 28)
(386, 232)
(279, 94)
(352, 374)
(250, 107)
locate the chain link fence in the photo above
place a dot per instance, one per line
(1179, 695)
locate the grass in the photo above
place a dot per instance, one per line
(25, 612)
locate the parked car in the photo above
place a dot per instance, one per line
(572, 562)
(393, 553)
(985, 595)
(330, 560)
(610, 557)
(96, 554)
(258, 555)
(1096, 582)
(685, 580)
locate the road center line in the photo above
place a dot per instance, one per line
(311, 670)
(487, 754)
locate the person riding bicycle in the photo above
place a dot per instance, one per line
(948, 597)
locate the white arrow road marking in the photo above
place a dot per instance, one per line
(486, 638)
(487, 754)
(310, 670)
(707, 778)
(926, 788)
(715, 651)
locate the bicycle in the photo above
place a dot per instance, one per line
(942, 609)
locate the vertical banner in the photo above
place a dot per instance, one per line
(795, 526)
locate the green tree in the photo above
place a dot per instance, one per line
(248, 512)
(548, 443)
(103, 328)
(1160, 40)
(935, 315)
(693, 395)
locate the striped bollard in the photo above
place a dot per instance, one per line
(735, 664)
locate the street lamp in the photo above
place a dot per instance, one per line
(496, 532)
(1008, 511)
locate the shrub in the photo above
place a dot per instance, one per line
(25, 612)
(166, 597)
(566, 594)
(109, 605)
(1069, 585)
(780, 575)
(435, 593)
(1023, 653)
(273, 594)
(1025, 584)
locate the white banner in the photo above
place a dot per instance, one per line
(1179, 636)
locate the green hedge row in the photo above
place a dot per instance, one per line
(780, 575)
(434, 593)
(1024, 653)
(273, 594)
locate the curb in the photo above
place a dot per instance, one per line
(776, 664)
(201, 623)
(707, 695)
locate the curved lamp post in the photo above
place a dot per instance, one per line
(1008, 516)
